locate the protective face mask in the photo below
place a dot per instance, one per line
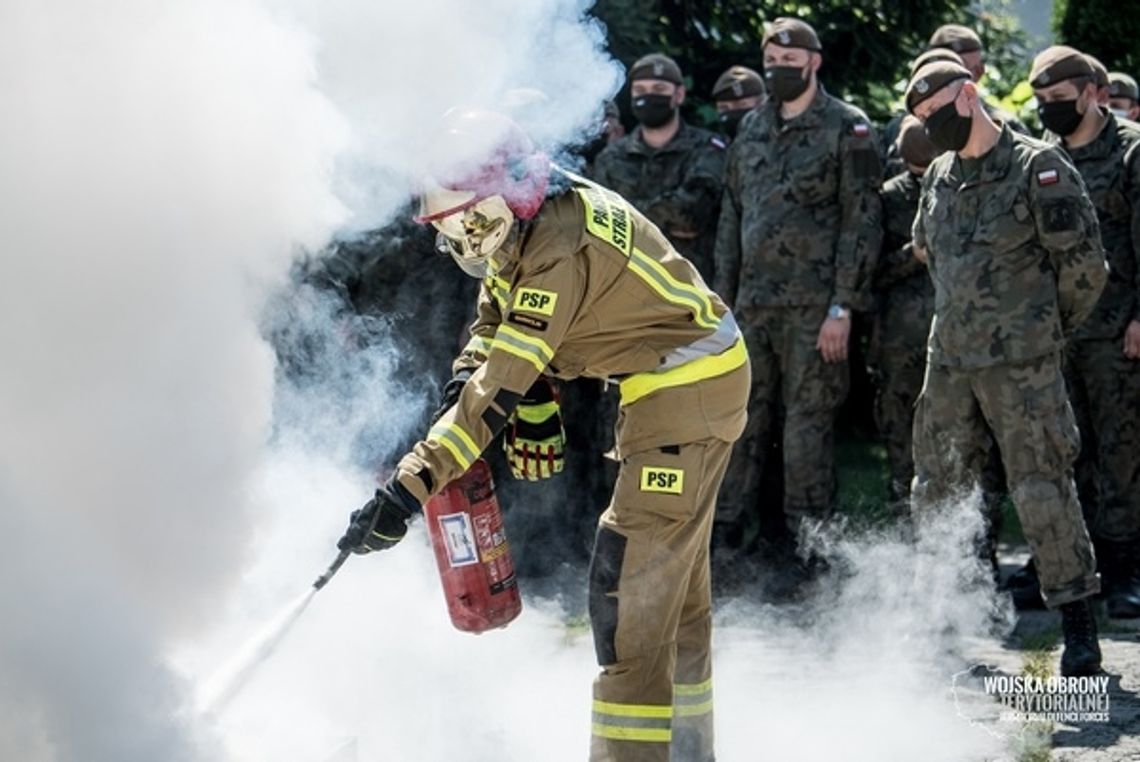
(786, 83)
(730, 120)
(947, 129)
(1120, 113)
(1060, 117)
(653, 110)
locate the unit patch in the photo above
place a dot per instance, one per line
(670, 481)
(536, 300)
(527, 321)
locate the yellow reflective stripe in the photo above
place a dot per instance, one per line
(500, 290)
(479, 345)
(617, 732)
(692, 689)
(457, 441)
(533, 350)
(654, 274)
(633, 710)
(641, 384)
(537, 413)
(694, 710)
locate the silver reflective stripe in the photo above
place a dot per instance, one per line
(722, 338)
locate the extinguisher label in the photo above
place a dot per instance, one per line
(459, 539)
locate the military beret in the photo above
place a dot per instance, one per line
(1120, 85)
(738, 82)
(960, 39)
(935, 54)
(1099, 72)
(931, 78)
(656, 66)
(914, 144)
(791, 33)
(1056, 64)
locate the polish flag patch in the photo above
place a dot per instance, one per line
(1048, 177)
(861, 130)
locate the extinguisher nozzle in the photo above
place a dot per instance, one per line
(333, 567)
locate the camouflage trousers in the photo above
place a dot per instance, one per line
(787, 367)
(1027, 408)
(1104, 387)
(899, 375)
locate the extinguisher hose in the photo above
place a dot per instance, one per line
(333, 567)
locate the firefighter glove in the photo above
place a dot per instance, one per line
(382, 522)
(535, 440)
(451, 392)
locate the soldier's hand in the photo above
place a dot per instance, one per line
(919, 253)
(832, 342)
(1132, 341)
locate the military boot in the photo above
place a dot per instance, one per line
(1121, 578)
(1081, 656)
(1025, 588)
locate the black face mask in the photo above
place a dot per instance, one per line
(653, 110)
(947, 129)
(1060, 117)
(786, 83)
(730, 120)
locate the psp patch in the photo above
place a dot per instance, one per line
(670, 481)
(536, 300)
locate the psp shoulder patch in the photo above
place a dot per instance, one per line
(536, 300)
(670, 481)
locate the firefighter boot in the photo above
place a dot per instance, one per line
(1081, 656)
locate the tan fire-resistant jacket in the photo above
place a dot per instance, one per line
(591, 288)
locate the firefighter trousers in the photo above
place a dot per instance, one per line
(651, 607)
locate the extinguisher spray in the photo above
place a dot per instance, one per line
(471, 552)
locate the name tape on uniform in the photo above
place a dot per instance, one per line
(536, 300)
(670, 481)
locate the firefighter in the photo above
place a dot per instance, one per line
(578, 283)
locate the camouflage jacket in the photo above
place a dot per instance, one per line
(902, 285)
(677, 186)
(800, 219)
(1014, 249)
(1110, 167)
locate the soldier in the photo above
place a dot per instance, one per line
(1100, 79)
(736, 92)
(1102, 366)
(668, 169)
(1012, 243)
(893, 163)
(1123, 96)
(798, 233)
(583, 284)
(905, 305)
(968, 45)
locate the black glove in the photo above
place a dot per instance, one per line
(451, 392)
(382, 522)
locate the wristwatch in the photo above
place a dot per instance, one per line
(837, 312)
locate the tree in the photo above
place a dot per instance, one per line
(1108, 29)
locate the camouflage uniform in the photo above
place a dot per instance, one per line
(799, 231)
(1104, 385)
(898, 345)
(677, 186)
(1014, 251)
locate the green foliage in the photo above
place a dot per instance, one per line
(868, 44)
(1108, 29)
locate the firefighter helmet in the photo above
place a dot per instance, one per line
(498, 177)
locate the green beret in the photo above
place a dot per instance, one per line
(1120, 85)
(914, 144)
(656, 66)
(960, 39)
(1099, 72)
(935, 54)
(1056, 64)
(738, 82)
(791, 33)
(931, 78)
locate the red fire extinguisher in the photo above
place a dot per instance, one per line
(471, 550)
